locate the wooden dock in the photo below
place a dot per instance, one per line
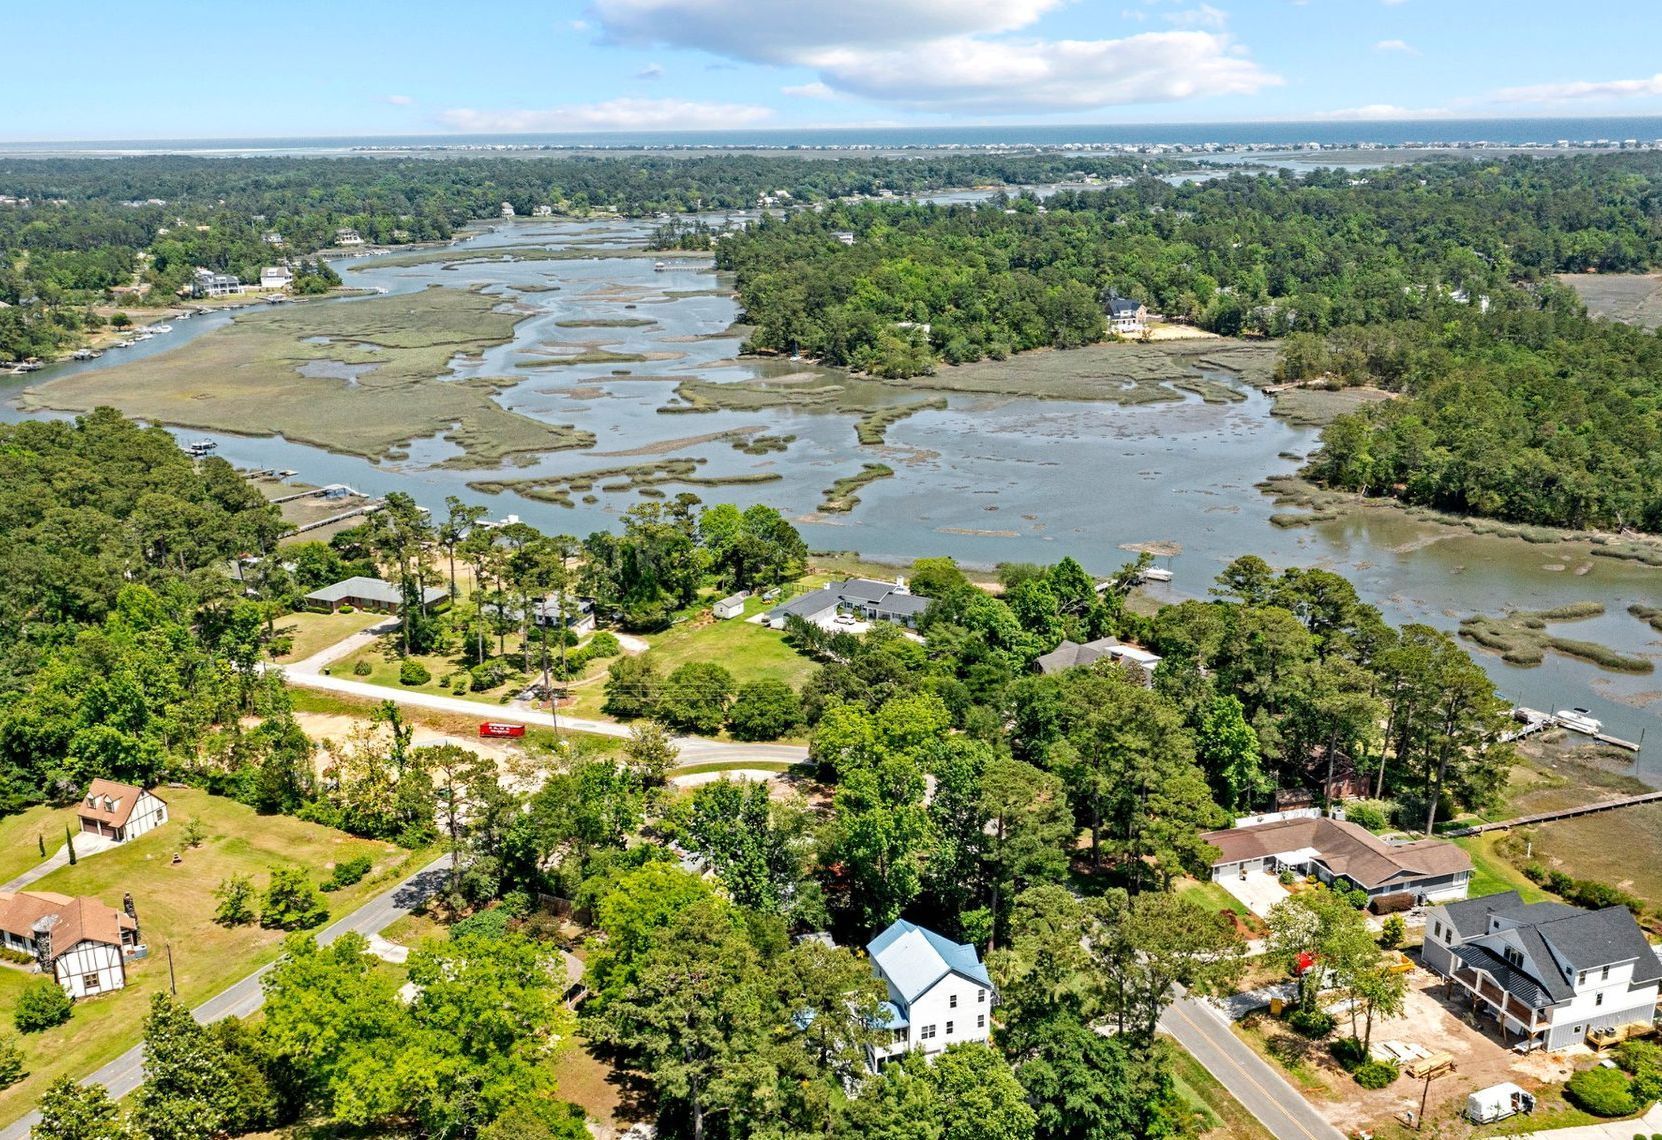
(1562, 813)
(1532, 721)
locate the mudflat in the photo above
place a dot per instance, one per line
(360, 377)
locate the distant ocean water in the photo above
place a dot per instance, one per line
(1383, 133)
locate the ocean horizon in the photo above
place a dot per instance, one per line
(1325, 133)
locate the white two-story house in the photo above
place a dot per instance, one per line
(939, 992)
(1546, 973)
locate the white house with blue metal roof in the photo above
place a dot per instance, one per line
(939, 992)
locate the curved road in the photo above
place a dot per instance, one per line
(124, 1074)
(308, 674)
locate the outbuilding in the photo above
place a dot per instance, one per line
(731, 606)
(119, 811)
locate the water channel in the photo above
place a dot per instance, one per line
(987, 479)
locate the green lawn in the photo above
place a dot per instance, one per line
(1492, 875)
(20, 837)
(312, 632)
(1212, 896)
(175, 908)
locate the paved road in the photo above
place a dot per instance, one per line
(1278, 1106)
(124, 1074)
(694, 749)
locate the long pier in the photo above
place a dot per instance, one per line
(1562, 813)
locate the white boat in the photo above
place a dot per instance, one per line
(162, 328)
(122, 344)
(1579, 720)
(144, 336)
(1156, 574)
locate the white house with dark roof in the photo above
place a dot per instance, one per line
(1548, 974)
(939, 992)
(1127, 317)
(859, 599)
(1335, 850)
(79, 941)
(372, 594)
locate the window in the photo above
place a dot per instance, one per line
(1437, 931)
(1515, 957)
(900, 1037)
(90, 981)
(981, 996)
(949, 1029)
(952, 1002)
(1606, 975)
(981, 1021)
(926, 1033)
(1597, 1000)
(1582, 980)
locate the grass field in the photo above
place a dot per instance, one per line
(246, 378)
(175, 908)
(312, 632)
(1492, 874)
(20, 835)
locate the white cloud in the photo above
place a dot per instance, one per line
(938, 54)
(1373, 111)
(579, 25)
(397, 100)
(1396, 45)
(651, 71)
(814, 90)
(1582, 91)
(612, 115)
(1001, 77)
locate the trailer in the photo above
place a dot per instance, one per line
(1497, 1102)
(499, 728)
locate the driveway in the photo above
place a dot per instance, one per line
(124, 1074)
(1259, 891)
(84, 845)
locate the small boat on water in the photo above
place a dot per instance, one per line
(1157, 574)
(85, 354)
(161, 328)
(122, 344)
(1579, 720)
(201, 447)
(660, 267)
(144, 336)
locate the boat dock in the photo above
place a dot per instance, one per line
(1533, 721)
(1562, 813)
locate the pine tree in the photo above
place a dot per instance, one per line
(69, 842)
(12, 1068)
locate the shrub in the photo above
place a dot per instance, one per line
(1349, 1053)
(1633, 1056)
(490, 923)
(413, 673)
(1601, 1091)
(1311, 1022)
(764, 710)
(236, 901)
(1392, 903)
(1375, 1074)
(291, 902)
(1394, 932)
(362, 668)
(488, 674)
(41, 1005)
(1375, 815)
(1535, 873)
(1287, 878)
(604, 644)
(1357, 898)
(12, 1068)
(348, 871)
(16, 957)
(346, 610)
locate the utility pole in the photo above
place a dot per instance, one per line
(172, 979)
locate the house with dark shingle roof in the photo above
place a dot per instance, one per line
(864, 599)
(374, 595)
(1335, 850)
(939, 992)
(1547, 974)
(1071, 654)
(81, 942)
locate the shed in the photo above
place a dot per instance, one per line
(1497, 1102)
(731, 606)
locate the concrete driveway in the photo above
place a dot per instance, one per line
(1258, 892)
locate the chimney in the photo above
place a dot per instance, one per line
(43, 942)
(132, 911)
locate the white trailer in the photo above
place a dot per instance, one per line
(1497, 1102)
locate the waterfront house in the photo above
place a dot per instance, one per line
(939, 993)
(1071, 654)
(372, 594)
(119, 811)
(862, 599)
(1547, 974)
(348, 237)
(576, 614)
(81, 942)
(1127, 317)
(207, 283)
(276, 277)
(1337, 851)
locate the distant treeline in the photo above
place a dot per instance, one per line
(89, 220)
(1433, 281)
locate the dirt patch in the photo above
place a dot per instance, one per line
(1118, 373)
(1631, 298)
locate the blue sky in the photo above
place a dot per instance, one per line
(190, 69)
